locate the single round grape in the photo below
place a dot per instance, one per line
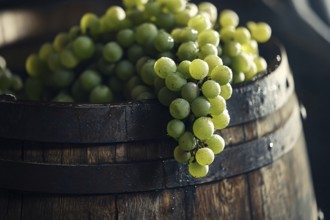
(165, 21)
(242, 35)
(190, 91)
(198, 69)
(216, 143)
(90, 24)
(124, 69)
(175, 6)
(226, 91)
(210, 9)
(208, 36)
(204, 156)
(200, 106)
(232, 48)
(60, 41)
(187, 51)
(217, 105)
(45, 50)
(175, 81)
(89, 79)
(200, 22)
(228, 18)
(148, 74)
(116, 13)
(180, 155)
(187, 141)
(250, 47)
(182, 17)
(125, 37)
(166, 96)
(164, 66)
(112, 52)
(163, 41)
(238, 77)
(262, 32)
(68, 59)
(203, 128)
(179, 108)
(221, 121)
(211, 89)
(145, 33)
(83, 47)
(251, 72)
(183, 68)
(197, 171)
(175, 128)
(227, 33)
(213, 61)
(206, 50)
(187, 34)
(261, 64)
(152, 9)
(241, 63)
(101, 94)
(34, 66)
(222, 74)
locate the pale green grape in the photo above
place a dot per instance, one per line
(227, 33)
(34, 66)
(187, 51)
(60, 41)
(232, 48)
(251, 72)
(210, 9)
(222, 74)
(175, 128)
(101, 94)
(213, 61)
(261, 32)
(217, 105)
(163, 66)
(187, 141)
(83, 47)
(221, 121)
(197, 171)
(175, 6)
(187, 34)
(198, 69)
(228, 18)
(200, 106)
(260, 63)
(206, 50)
(200, 22)
(208, 36)
(183, 68)
(90, 24)
(211, 89)
(68, 59)
(238, 77)
(241, 63)
(250, 47)
(45, 50)
(216, 143)
(226, 91)
(204, 156)
(112, 52)
(203, 128)
(89, 79)
(179, 108)
(175, 81)
(190, 91)
(242, 35)
(180, 155)
(3, 62)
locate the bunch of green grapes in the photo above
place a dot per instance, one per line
(185, 55)
(9, 83)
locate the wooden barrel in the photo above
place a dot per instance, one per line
(114, 161)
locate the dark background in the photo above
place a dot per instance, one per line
(308, 53)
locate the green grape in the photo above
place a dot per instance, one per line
(34, 66)
(164, 66)
(251, 72)
(208, 36)
(187, 34)
(175, 81)
(211, 89)
(203, 128)
(166, 96)
(216, 143)
(101, 94)
(112, 52)
(148, 74)
(241, 63)
(206, 50)
(222, 74)
(227, 33)
(250, 47)
(83, 47)
(187, 51)
(135, 52)
(238, 77)
(89, 79)
(187, 141)
(182, 17)
(3, 62)
(115, 13)
(33, 88)
(60, 41)
(53, 62)
(204, 156)
(232, 48)
(183, 68)
(197, 171)
(165, 21)
(226, 91)
(145, 32)
(61, 78)
(74, 32)
(45, 50)
(90, 24)
(163, 41)
(158, 84)
(213, 60)
(228, 18)
(63, 97)
(200, 106)
(198, 69)
(175, 128)
(145, 96)
(125, 37)
(210, 9)
(5, 79)
(261, 32)
(260, 63)
(68, 59)
(124, 69)
(175, 6)
(200, 23)
(217, 105)
(221, 121)
(179, 108)
(181, 156)
(242, 35)
(190, 91)
(152, 9)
